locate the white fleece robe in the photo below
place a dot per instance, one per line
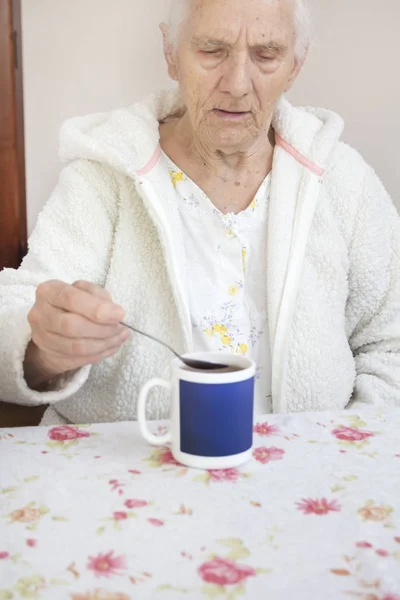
(333, 279)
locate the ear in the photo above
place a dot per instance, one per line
(298, 65)
(169, 53)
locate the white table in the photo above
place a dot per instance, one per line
(94, 513)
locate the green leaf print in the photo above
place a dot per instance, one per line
(237, 548)
(9, 490)
(171, 588)
(213, 591)
(355, 421)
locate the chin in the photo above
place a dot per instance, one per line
(232, 141)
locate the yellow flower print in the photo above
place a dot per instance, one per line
(25, 515)
(100, 595)
(242, 349)
(233, 290)
(371, 512)
(244, 258)
(30, 586)
(230, 233)
(28, 514)
(253, 205)
(176, 177)
(219, 328)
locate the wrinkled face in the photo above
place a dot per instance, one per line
(233, 61)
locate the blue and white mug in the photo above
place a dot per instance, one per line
(211, 412)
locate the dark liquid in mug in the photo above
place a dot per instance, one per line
(230, 369)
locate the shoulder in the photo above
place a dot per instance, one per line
(353, 188)
(349, 175)
(346, 171)
(89, 173)
(87, 188)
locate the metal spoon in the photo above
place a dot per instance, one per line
(201, 365)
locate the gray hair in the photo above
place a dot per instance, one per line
(302, 17)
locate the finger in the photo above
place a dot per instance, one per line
(93, 289)
(77, 347)
(65, 364)
(78, 363)
(76, 301)
(98, 359)
(71, 325)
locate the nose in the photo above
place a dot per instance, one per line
(236, 79)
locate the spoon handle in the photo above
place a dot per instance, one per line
(151, 338)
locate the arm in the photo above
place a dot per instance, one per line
(72, 240)
(373, 310)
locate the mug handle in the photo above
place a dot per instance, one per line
(155, 440)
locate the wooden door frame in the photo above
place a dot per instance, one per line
(13, 228)
(13, 225)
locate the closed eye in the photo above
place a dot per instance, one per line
(211, 51)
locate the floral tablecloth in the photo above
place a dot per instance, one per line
(94, 513)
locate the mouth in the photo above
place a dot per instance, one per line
(230, 114)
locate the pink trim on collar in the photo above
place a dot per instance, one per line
(280, 141)
(299, 157)
(152, 162)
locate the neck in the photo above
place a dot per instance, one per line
(229, 178)
(225, 164)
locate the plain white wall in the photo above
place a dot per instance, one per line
(83, 56)
(353, 68)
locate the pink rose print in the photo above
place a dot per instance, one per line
(391, 597)
(4, 555)
(31, 543)
(116, 486)
(350, 434)
(264, 429)
(106, 565)
(223, 571)
(166, 457)
(224, 475)
(318, 507)
(135, 503)
(66, 433)
(120, 515)
(266, 455)
(156, 522)
(383, 553)
(363, 545)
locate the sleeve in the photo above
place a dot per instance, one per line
(72, 240)
(373, 309)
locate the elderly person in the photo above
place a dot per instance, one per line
(219, 217)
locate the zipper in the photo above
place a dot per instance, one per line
(151, 201)
(308, 190)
